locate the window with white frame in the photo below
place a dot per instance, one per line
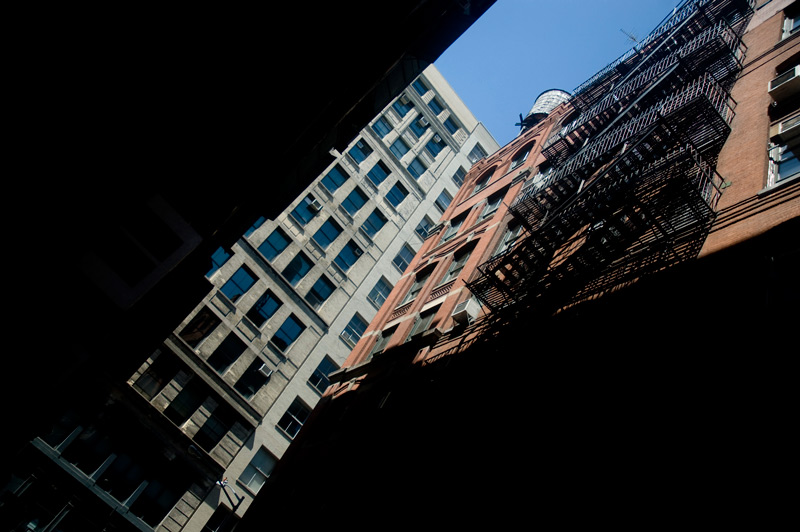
(354, 329)
(319, 379)
(784, 162)
(443, 200)
(293, 419)
(403, 258)
(256, 473)
(423, 227)
(377, 296)
(476, 154)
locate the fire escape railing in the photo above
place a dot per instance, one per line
(634, 187)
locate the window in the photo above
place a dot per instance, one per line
(274, 245)
(289, 332)
(397, 194)
(458, 177)
(382, 127)
(443, 200)
(476, 154)
(383, 340)
(256, 473)
(483, 181)
(435, 145)
(451, 125)
(160, 372)
(374, 222)
(521, 156)
(334, 179)
(218, 258)
(320, 292)
(459, 260)
(215, 427)
(354, 201)
(423, 322)
(377, 296)
(319, 379)
(403, 258)
(327, 233)
(424, 226)
(222, 520)
(378, 173)
(492, 204)
(419, 126)
(297, 268)
(360, 151)
(239, 283)
(348, 256)
(784, 162)
(435, 106)
(306, 210)
(258, 223)
(402, 106)
(200, 327)
(227, 353)
(266, 307)
(292, 421)
(187, 401)
(251, 380)
(455, 225)
(416, 168)
(419, 281)
(791, 24)
(420, 86)
(399, 148)
(354, 329)
(510, 238)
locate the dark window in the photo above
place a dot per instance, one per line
(423, 322)
(320, 292)
(354, 201)
(379, 173)
(399, 148)
(451, 125)
(348, 255)
(374, 222)
(420, 86)
(264, 309)
(306, 210)
(288, 333)
(162, 370)
(256, 473)
(227, 353)
(239, 283)
(419, 281)
(458, 177)
(327, 233)
(492, 204)
(187, 401)
(383, 340)
(459, 260)
(334, 179)
(419, 126)
(443, 200)
(435, 106)
(200, 327)
(435, 146)
(292, 421)
(402, 106)
(483, 181)
(476, 154)
(455, 225)
(216, 426)
(416, 168)
(218, 258)
(381, 127)
(274, 245)
(360, 151)
(319, 379)
(521, 156)
(251, 380)
(397, 194)
(297, 268)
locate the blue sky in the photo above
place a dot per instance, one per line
(520, 48)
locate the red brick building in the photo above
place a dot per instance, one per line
(601, 327)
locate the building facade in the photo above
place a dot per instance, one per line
(189, 440)
(596, 331)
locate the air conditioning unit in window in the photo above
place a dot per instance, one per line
(786, 130)
(437, 138)
(466, 311)
(315, 206)
(785, 85)
(265, 370)
(423, 121)
(404, 99)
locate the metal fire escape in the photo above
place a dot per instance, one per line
(633, 187)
